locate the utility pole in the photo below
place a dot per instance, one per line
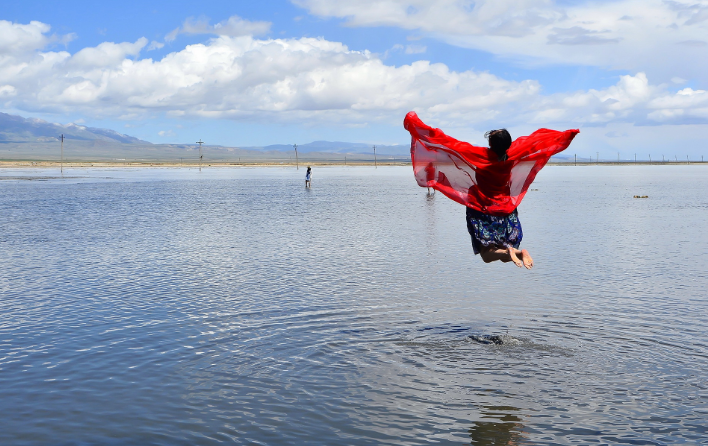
(297, 163)
(576, 159)
(650, 158)
(61, 163)
(200, 142)
(375, 165)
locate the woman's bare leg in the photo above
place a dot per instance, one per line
(494, 253)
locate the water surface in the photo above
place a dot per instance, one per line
(172, 306)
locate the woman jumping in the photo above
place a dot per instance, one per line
(490, 182)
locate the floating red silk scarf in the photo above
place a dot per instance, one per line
(473, 175)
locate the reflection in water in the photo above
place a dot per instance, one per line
(506, 431)
(430, 237)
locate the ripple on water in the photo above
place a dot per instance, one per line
(173, 307)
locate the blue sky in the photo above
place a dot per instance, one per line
(630, 74)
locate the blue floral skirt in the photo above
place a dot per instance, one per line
(490, 230)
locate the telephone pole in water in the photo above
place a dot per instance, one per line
(297, 163)
(61, 163)
(200, 142)
(375, 165)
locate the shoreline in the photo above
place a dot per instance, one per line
(9, 164)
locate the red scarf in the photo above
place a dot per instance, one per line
(473, 175)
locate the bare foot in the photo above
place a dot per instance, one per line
(512, 254)
(528, 261)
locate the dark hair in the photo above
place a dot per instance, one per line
(499, 142)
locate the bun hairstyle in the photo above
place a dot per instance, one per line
(499, 142)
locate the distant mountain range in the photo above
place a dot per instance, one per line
(35, 139)
(19, 130)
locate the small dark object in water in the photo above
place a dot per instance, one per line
(641, 196)
(488, 339)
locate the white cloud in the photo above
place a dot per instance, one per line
(314, 81)
(7, 90)
(686, 104)
(663, 38)
(408, 49)
(277, 79)
(416, 49)
(107, 54)
(17, 38)
(234, 26)
(154, 45)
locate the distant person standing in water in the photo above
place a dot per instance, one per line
(308, 177)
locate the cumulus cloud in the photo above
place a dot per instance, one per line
(272, 79)
(632, 100)
(107, 54)
(234, 26)
(662, 38)
(315, 81)
(17, 38)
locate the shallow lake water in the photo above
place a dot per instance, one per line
(232, 305)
